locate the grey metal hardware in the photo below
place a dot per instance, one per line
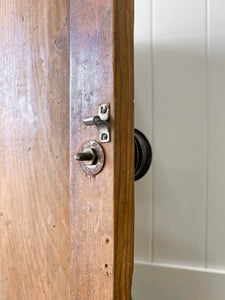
(91, 155)
(91, 158)
(100, 122)
(88, 156)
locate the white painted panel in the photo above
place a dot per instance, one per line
(216, 196)
(180, 102)
(143, 121)
(180, 115)
(171, 283)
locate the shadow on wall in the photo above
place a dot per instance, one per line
(143, 122)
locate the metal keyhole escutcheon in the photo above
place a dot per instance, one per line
(91, 157)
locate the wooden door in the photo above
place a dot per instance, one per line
(63, 234)
(101, 48)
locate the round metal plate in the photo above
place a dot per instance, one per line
(96, 167)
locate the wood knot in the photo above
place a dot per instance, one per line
(61, 41)
(7, 222)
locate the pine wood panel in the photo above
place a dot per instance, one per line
(34, 150)
(102, 207)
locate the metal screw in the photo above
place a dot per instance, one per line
(104, 137)
(103, 109)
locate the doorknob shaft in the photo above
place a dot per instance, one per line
(84, 156)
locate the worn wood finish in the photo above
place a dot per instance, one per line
(34, 150)
(124, 149)
(102, 207)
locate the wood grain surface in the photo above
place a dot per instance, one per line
(123, 148)
(102, 212)
(64, 235)
(34, 150)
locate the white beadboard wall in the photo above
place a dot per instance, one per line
(180, 106)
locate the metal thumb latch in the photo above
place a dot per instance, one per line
(100, 122)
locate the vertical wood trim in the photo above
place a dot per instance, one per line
(124, 148)
(101, 45)
(92, 198)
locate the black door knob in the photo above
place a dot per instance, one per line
(143, 154)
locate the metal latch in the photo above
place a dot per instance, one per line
(100, 122)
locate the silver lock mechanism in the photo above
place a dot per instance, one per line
(91, 158)
(101, 123)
